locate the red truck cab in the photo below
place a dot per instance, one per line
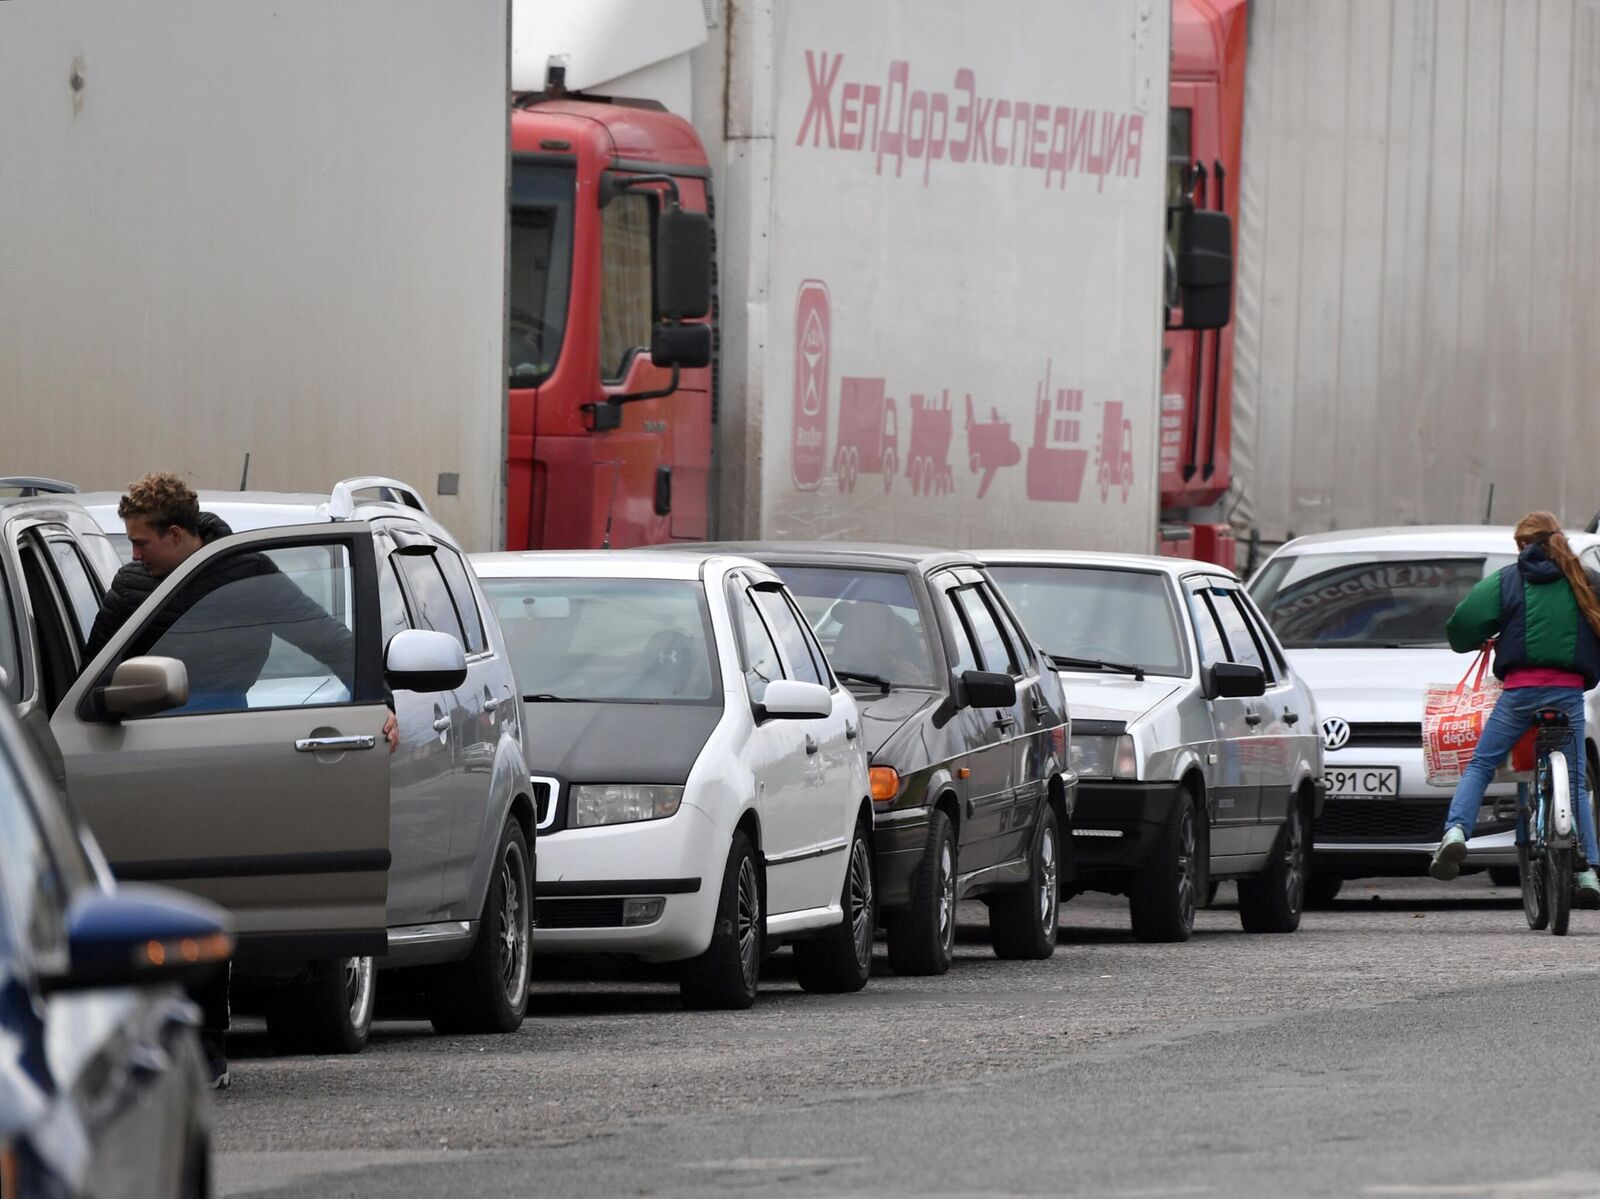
(607, 446)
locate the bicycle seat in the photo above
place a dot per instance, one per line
(1550, 718)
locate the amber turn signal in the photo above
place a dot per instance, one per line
(218, 947)
(885, 782)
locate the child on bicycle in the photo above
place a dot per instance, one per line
(1545, 611)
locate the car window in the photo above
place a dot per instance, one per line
(1242, 647)
(434, 608)
(993, 649)
(607, 640)
(1206, 631)
(966, 650)
(391, 601)
(1367, 600)
(455, 575)
(76, 581)
(36, 889)
(785, 627)
(1277, 665)
(1096, 613)
(868, 621)
(824, 668)
(761, 662)
(10, 660)
(261, 629)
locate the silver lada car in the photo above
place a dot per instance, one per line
(1194, 741)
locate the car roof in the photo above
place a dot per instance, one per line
(1446, 539)
(843, 553)
(1176, 567)
(605, 564)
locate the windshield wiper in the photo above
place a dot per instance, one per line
(861, 676)
(1066, 663)
(545, 697)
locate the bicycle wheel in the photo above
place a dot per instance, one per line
(1556, 800)
(1534, 906)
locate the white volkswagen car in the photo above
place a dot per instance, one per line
(700, 775)
(1362, 615)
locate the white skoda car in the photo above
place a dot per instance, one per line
(700, 775)
(1362, 616)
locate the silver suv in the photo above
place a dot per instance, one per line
(273, 795)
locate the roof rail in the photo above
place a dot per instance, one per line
(28, 485)
(342, 503)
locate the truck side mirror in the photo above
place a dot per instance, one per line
(683, 265)
(1204, 269)
(681, 345)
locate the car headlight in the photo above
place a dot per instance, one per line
(622, 803)
(1104, 757)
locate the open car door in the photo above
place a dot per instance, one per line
(265, 786)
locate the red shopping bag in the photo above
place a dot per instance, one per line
(1453, 719)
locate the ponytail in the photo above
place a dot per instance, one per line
(1542, 528)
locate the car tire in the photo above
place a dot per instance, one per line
(1022, 921)
(487, 991)
(840, 960)
(1505, 876)
(1164, 892)
(326, 1009)
(1323, 888)
(1272, 901)
(922, 939)
(727, 975)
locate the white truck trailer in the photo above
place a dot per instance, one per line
(265, 227)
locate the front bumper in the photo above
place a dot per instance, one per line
(586, 874)
(1115, 826)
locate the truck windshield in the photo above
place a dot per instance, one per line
(641, 641)
(1095, 614)
(1365, 600)
(541, 269)
(868, 622)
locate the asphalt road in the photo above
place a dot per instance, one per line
(1416, 1039)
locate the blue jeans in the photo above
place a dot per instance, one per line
(1512, 717)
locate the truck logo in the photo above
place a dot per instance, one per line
(1056, 464)
(812, 335)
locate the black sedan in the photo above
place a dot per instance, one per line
(102, 1081)
(966, 726)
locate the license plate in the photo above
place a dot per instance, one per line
(1363, 782)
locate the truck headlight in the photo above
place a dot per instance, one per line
(622, 803)
(1104, 757)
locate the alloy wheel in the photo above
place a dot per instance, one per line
(358, 990)
(1293, 864)
(861, 902)
(1186, 868)
(512, 930)
(749, 926)
(947, 897)
(1048, 902)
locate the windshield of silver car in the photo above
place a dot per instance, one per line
(1124, 618)
(607, 640)
(1366, 601)
(868, 622)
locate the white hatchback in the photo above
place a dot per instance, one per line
(700, 775)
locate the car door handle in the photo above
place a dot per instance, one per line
(442, 724)
(1252, 718)
(811, 744)
(1291, 718)
(1004, 722)
(489, 705)
(851, 732)
(318, 745)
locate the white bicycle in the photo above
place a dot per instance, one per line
(1546, 844)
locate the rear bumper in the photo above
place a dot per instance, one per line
(1115, 827)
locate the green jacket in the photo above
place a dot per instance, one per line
(1530, 608)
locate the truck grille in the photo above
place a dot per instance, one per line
(1386, 734)
(1368, 820)
(577, 913)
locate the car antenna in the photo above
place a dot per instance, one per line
(616, 474)
(1488, 509)
(245, 477)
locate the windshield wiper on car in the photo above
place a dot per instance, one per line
(1064, 662)
(861, 676)
(545, 697)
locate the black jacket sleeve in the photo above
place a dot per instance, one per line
(306, 625)
(130, 587)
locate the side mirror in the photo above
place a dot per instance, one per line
(1234, 680)
(986, 689)
(145, 686)
(787, 699)
(681, 345)
(683, 264)
(141, 937)
(1205, 269)
(423, 660)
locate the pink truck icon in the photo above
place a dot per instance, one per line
(928, 458)
(1114, 455)
(869, 433)
(989, 446)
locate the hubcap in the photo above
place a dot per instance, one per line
(511, 929)
(861, 902)
(947, 897)
(1047, 879)
(749, 923)
(358, 990)
(1293, 867)
(1186, 867)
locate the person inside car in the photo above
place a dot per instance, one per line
(1545, 611)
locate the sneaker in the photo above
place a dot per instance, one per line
(1446, 862)
(1586, 890)
(216, 1062)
